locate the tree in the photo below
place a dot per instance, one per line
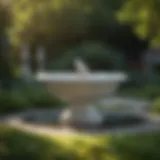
(41, 21)
(144, 16)
(59, 20)
(6, 68)
(60, 25)
(95, 54)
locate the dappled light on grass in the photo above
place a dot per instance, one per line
(19, 144)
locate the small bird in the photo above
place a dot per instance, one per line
(80, 66)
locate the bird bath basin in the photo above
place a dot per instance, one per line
(80, 90)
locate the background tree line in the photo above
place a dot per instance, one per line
(59, 25)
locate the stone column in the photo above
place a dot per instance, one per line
(40, 59)
(25, 56)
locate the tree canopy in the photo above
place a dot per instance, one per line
(144, 16)
(59, 25)
(59, 20)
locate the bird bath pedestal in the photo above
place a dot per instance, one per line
(80, 90)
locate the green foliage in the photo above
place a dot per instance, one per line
(27, 97)
(149, 92)
(59, 24)
(5, 17)
(156, 106)
(144, 15)
(59, 20)
(40, 97)
(144, 146)
(95, 54)
(43, 20)
(142, 85)
(140, 79)
(13, 101)
(35, 147)
(28, 146)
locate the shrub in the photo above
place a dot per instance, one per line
(139, 79)
(27, 97)
(13, 101)
(41, 98)
(151, 92)
(144, 146)
(148, 92)
(156, 106)
(96, 55)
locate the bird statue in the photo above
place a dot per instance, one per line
(80, 66)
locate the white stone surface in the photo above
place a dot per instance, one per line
(125, 104)
(79, 90)
(88, 115)
(81, 67)
(98, 77)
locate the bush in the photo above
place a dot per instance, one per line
(96, 55)
(150, 92)
(40, 97)
(156, 106)
(27, 97)
(13, 101)
(34, 147)
(137, 147)
(141, 79)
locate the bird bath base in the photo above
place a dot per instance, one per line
(82, 116)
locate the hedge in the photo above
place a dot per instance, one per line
(27, 97)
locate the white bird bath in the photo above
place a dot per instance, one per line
(80, 90)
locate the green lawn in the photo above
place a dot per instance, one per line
(16, 144)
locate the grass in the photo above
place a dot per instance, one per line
(16, 144)
(20, 144)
